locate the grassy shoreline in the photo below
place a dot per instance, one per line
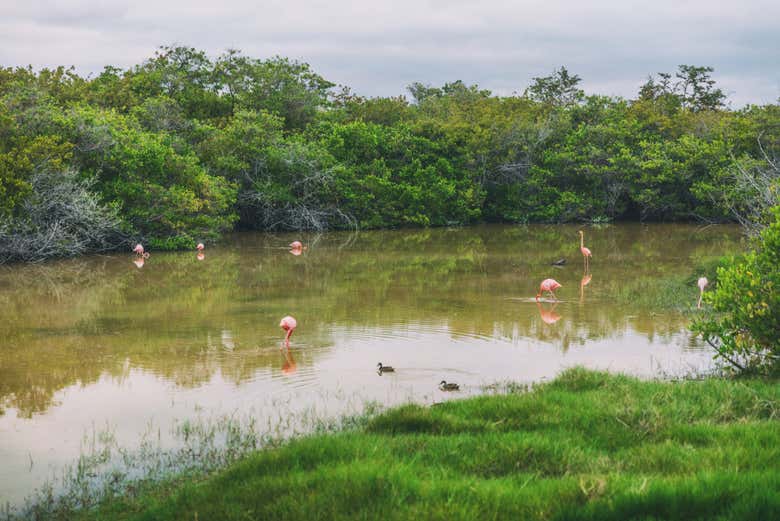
(587, 445)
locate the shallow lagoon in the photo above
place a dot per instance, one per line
(98, 344)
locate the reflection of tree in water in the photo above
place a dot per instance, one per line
(43, 305)
(73, 321)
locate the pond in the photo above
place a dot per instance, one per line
(100, 343)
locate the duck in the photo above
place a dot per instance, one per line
(444, 386)
(384, 368)
(559, 262)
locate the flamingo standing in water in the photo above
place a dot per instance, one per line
(139, 250)
(200, 247)
(702, 283)
(289, 324)
(549, 285)
(296, 247)
(586, 254)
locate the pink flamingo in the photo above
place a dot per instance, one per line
(289, 324)
(549, 285)
(200, 247)
(702, 283)
(139, 250)
(296, 248)
(586, 254)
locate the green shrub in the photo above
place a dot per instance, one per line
(744, 326)
(162, 189)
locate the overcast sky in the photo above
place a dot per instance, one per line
(378, 48)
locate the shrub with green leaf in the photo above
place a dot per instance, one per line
(744, 325)
(163, 192)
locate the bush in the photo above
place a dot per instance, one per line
(745, 326)
(163, 192)
(61, 217)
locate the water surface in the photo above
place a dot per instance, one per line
(98, 342)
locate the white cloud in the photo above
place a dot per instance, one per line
(379, 47)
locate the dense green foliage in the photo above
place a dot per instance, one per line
(183, 147)
(744, 326)
(585, 446)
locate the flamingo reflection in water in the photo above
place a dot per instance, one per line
(584, 282)
(549, 316)
(289, 366)
(139, 262)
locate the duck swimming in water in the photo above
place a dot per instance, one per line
(444, 386)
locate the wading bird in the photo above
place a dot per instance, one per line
(139, 250)
(384, 368)
(200, 247)
(444, 386)
(296, 248)
(549, 285)
(289, 324)
(586, 254)
(702, 283)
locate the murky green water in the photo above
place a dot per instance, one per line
(99, 342)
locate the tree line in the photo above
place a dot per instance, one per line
(184, 147)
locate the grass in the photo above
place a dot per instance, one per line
(587, 445)
(193, 449)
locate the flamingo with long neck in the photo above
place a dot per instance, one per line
(289, 324)
(549, 285)
(586, 254)
(702, 283)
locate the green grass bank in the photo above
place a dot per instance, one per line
(587, 445)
